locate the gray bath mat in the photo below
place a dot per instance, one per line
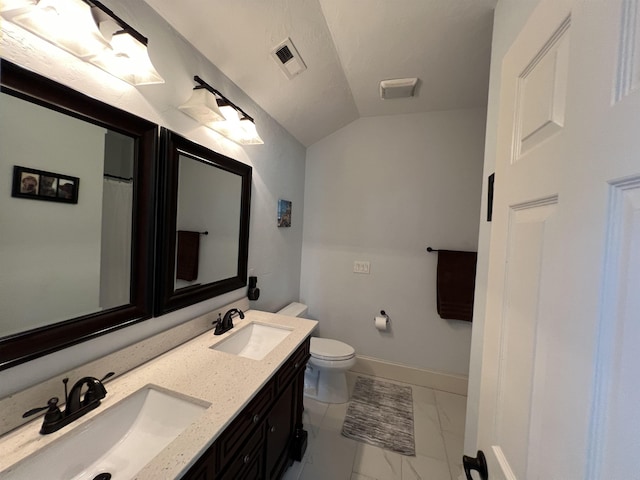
(381, 414)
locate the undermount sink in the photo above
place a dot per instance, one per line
(254, 341)
(119, 441)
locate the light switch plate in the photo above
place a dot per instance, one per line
(361, 266)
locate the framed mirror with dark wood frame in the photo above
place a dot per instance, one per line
(71, 270)
(204, 207)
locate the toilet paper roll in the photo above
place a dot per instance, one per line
(382, 323)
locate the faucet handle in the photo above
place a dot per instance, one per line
(52, 405)
(219, 324)
(108, 375)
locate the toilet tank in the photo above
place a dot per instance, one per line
(294, 309)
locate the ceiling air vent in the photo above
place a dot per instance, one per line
(284, 54)
(288, 59)
(398, 88)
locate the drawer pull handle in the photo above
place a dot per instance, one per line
(246, 459)
(272, 429)
(256, 418)
(296, 365)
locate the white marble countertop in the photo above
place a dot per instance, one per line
(226, 381)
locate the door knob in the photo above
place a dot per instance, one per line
(478, 463)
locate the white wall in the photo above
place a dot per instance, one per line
(49, 251)
(382, 189)
(509, 17)
(278, 169)
(220, 191)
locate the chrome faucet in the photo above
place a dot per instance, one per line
(76, 405)
(225, 324)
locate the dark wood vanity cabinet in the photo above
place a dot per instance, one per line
(257, 444)
(203, 469)
(280, 427)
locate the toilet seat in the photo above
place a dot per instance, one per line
(329, 349)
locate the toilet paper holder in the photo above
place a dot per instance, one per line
(387, 320)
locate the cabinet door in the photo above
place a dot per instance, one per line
(254, 468)
(280, 423)
(204, 469)
(298, 396)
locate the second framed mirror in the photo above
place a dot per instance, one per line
(203, 224)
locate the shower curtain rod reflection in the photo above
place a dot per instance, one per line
(116, 177)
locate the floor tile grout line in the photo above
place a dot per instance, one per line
(446, 450)
(439, 410)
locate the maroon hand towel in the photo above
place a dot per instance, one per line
(456, 281)
(187, 257)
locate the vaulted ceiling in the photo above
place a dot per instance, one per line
(348, 46)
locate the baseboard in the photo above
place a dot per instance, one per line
(415, 376)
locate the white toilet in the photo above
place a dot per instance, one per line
(325, 379)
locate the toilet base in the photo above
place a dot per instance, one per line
(326, 386)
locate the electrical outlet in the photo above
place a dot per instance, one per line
(361, 266)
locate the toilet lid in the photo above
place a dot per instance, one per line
(328, 349)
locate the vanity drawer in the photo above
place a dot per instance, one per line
(248, 461)
(293, 364)
(240, 429)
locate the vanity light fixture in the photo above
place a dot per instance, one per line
(90, 31)
(251, 136)
(53, 20)
(128, 57)
(215, 111)
(202, 106)
(228, 110)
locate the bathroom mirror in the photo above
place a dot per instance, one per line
(204, 209)
(77, 216)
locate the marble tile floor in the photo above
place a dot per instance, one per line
(439, 436)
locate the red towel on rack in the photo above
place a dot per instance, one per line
(187, 256)
(455, 284)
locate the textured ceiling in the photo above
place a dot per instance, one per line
(348, 47)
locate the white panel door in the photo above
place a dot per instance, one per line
(560, 390)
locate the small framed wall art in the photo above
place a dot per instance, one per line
(41, 185)
(284, 213)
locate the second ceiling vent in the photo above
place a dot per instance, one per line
(288, 58)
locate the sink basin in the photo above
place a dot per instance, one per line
(120, 441)
(254, 341)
